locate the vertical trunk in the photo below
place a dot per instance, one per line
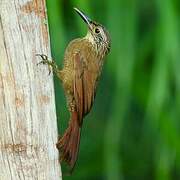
(28, 129)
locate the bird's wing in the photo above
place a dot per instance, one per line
(84, 85)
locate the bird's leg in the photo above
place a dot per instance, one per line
(51, 64)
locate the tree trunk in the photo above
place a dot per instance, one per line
(28, 127)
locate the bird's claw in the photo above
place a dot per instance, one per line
(45, 61)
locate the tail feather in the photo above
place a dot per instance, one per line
(68, 145)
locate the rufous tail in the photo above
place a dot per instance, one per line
(68, 145)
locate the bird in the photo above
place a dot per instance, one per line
(82, 67)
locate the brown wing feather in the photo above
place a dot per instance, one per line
(84, 86)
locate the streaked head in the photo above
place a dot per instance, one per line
(96, 33)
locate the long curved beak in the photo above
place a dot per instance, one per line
(86, 19)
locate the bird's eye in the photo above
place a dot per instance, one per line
(97, 30)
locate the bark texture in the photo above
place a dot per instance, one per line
(28, 127)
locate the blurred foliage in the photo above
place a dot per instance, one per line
(132, 131)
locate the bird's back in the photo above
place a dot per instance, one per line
(82, 46)
(89, 60)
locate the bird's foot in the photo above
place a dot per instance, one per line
(52, 66)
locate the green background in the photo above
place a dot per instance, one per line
(132, 131)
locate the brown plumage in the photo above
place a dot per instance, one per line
(83, 62)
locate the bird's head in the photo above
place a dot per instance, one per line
(97, 33)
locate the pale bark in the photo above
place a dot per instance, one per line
(28, 127)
